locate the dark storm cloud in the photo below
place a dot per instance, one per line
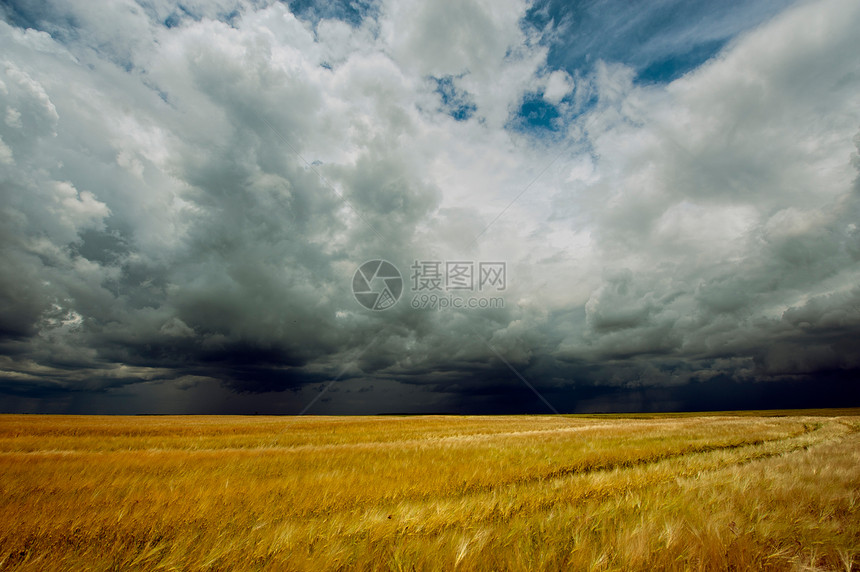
(187, 192)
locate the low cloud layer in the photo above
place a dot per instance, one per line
(188, 191)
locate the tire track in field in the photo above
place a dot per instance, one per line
(505, 502)
(598, 493)
(586, 468)
(583, 469)
(718, 465)
(642, 466)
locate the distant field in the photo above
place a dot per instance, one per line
(768, 490)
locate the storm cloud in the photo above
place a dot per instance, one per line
(188, 190)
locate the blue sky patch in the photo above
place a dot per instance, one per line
(455, 102)
(662, 40)
(536, 115)
(352, 12)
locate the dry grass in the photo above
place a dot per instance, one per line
(734, 492)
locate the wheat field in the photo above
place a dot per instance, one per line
(756, 491)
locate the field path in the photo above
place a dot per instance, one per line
(718, 491)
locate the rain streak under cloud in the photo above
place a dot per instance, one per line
(188, 191)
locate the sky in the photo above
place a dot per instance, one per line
(400, 207)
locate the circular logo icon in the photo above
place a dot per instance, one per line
(377, 285)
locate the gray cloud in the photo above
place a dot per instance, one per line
(188, 192)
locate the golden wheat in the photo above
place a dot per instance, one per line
(673, 492)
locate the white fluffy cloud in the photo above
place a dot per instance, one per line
(190, 201)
